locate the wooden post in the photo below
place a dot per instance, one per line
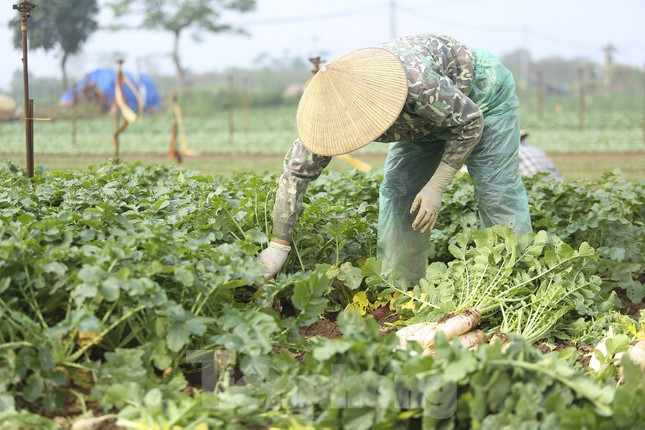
(174, 152)
(25, 8)
(118, 128)
(581, 108)
(115, 135)
(231, 123)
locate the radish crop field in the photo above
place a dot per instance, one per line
(131, 298)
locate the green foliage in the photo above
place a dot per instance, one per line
(59, 23)
(267, 127)
(338, 223)
(62, 24)
(207, 100)
(627, 409)
(178, 16)
(175, 16)
(121, 283)
(123, 258)
(529, 285)
(308, 297)
(608, 214)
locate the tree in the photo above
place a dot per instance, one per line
(59, 24)
(177, 16)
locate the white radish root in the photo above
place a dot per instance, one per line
(92, 423)
(469, 340)
(636, 353)
(601, 346)
(461, 323)
(472, 339)
(594, 363)
(451, 326)
(499, 337)
(415, 332)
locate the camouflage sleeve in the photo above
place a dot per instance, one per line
(301, 166)
(445, 106)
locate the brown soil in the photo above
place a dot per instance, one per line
(71, 408)
(543, 348)
(384, 316)
(628, 307)
(322, 327)
(599, 155)
(584, 350)
(367, 157)
(329, 329)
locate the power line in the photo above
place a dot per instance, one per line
(363, 11)
(497, 29)
(443, 20)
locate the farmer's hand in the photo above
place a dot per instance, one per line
(273, 258)
(428, 201)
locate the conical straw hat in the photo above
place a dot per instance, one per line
(351, 101)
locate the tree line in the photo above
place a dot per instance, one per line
(65, 25)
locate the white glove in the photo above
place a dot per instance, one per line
(273, 258)
(428, 201)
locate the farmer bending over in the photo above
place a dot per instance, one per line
(440, 104)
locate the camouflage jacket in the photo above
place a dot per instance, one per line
(440, 73)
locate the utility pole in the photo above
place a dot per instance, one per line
(25, 8)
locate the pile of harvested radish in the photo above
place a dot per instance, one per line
(462, 326)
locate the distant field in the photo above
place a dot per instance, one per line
(260, 138)
(270, 131)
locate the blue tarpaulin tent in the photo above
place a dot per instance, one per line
(99, 85)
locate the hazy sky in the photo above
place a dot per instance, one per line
(279, 28)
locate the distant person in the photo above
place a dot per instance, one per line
(533, 160)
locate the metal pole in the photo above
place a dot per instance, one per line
(25, 8)
(30, 139)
